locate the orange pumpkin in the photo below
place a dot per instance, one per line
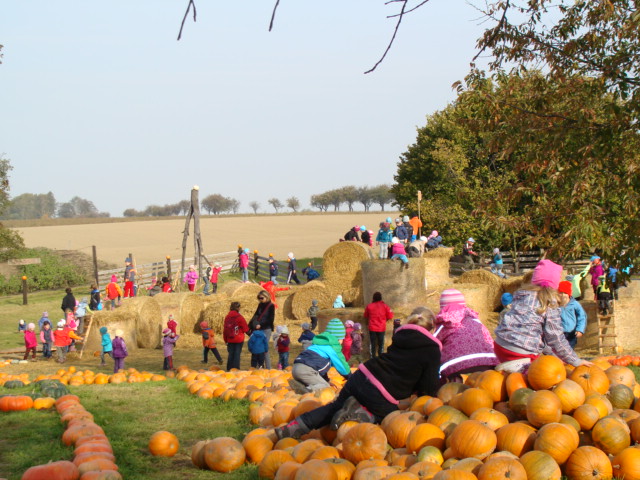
(621, 375)
(611, 435)
(285, 443)
(586, 415)
(571, 395)
(516, 438)
(62, 470)
(454, 475)
(364, 441)
(473, 399)
(344, 468)
(518, 402)
(15, 403)
(163, 444)
(540, 466)
(101, 475)
(591, 379)
(514, 381)
(588, 463)
(502, 467)
(256, 447)
(495, 383)
(344, 428)
(430, 405)
(450, 390)
(316, 470)
(324, 453)
(197, 454)
(287, 471)
(424, 469)
(545, 372)
(272, 461)
(305, 449)
(543, 407)
(446, 418)
(224, 454)
(472, 439)
(490, 417)
(570, 421)
(626, 464)
(97, 464)
(44, 403)
(423, 435)
(398, 430)
(601, 402)
(558, 440)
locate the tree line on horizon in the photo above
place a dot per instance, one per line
(44, 205)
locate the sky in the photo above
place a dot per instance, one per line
(99, 100)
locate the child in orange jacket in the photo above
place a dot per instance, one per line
(209, 343)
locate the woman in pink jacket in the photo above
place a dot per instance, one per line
(191, 277)
(378, 313)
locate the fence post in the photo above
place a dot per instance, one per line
(169, 267)
(256, 265)
(24, 290)
(95, 265)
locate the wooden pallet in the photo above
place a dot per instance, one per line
(607, 335)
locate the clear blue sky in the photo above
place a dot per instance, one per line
(99, 100)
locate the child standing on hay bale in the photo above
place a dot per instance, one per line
(355, 353)
(378, 313)
(258, 346)
(169, 340)
(235, 327)
(398, 252)
(191, 278)
(372, 392)
(215, 274)
(119, 351)
(533, 323)
(401, 232)
(209, 343)
(574, 318)
(306, 337)
(468, 253)
(30, 342)
(497, 264)
(113, 292)
(310, 368)
(107, 347)
(467, 345)
(282, 344)
(346, 344)
(312, 313)
(384, 238)
(338, 303)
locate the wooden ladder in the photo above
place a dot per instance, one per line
(607, 330)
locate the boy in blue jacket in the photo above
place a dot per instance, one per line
(574, 318)
(310, 368)
(107, 348)
(258, 346)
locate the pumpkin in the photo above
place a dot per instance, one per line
(423, 435)
(588, 463)
(571, 395)
(90, 456)
(271, 463)
(14, 384)
(197, 454)
(558, 440)
(430, 454)
(503, 407)
(516, 438)
(601, 402)
(495, 383)
(424, 469)
(398, 430)
(471, 465)
(591, 379)
(163, 444)
(570, 421)
(101, 475)
(502, 467)
(256, 447)
(490, 417)
(375, 473)
(15, 403)
(446, 418)
(450, 390)
(586, 415)
(543, 407)
(324, 453)
(287, 471)
(316, 470)
(224, 454)
(626, 414)
(97, 464)
(611, 435)
(282, 413)
(44, 403)
(430, 405)
(98, 446)
(621, 375)
(418, 403)
(518, 402)
(62, 470)
(305, 449)
(545, 372)
(80, 429)
(514, 381)
(473, 399)
(626, 464)
(364, 441)
(540, 466)
(620, 396)
(454, 475)
(344, 468)
(472, 439)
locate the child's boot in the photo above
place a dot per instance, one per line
(294, 429)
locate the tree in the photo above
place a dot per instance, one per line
(365, 197)
(10, 240)
(349, 195)
(254, 206)
(183, 207)
(381, 195)
(131, 212)
(216, 204)
(293, 203)
(320, 201)
(29, 205)
(335, 198)
(275, 203)
(234, 205)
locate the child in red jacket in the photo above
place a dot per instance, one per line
(209, 343)
(378, 314)
(282, 344)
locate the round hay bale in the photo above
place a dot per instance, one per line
(148, 318)
(234, 288)
(185, 308)
(119, 318)
(247, 295)
(512, 284)
(344, 314)
(284, 300)
(301, 300)
(437, 266)
(493, 282)
(341, 270)
(400, 287)
(476, 297)
(216, 309)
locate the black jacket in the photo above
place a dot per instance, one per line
(263, 318)
(68, 302)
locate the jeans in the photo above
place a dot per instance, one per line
(46, 350)
(245, 274)
(102, 362)
(215, 352)
(267, 333)
(496, 269)
(376, 343)
(168, 363)
(61, 352)
(283, 359)
(402, 257)
(384, 250)
(257, 360)
(274, 280)
(233, 355)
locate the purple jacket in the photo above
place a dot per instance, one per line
(119, 348)
(167, 345)
(595, 272)
(191, 277)
(356, 344)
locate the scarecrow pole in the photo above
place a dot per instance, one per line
(419, 198)
(194, 211)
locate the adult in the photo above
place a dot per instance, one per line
(416, 225)
(234, 330)
(468, 253)
(574, 318)
(596, 271)
(401, 232)
(378, 314)
(263, 319)
(467, 345)
(293, 271)
(68, 301)
(383, 239)
(129, 278)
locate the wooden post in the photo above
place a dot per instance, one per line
(169, 267)
(95, 265)
(197, 237)
(419, 199)
(24, 290)
(256, 264)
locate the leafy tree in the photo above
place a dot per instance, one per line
(320, 201)
(365, 197)
(10, 240)
(349, 195)
(216, 204)
(29, 205)
(234, 205)
(183, 207)
(275, 203)
(381, 195)
(254, 206)
(335, 198)
(131, 212)
(293, 203)
(79, 207)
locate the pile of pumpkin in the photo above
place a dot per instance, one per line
(553, 421)
(93, 457)
(72, 376)
(623, 360)
(44, 397)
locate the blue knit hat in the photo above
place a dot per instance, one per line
(506, 299)
(336, 328)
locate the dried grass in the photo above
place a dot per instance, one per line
(342, 272)
(122, 319)
(186, 309)
(301, 300)
(512, 284)
(493, 282)
(400, 287)
(437, 266)
(442, 252)
(148, 319)
(215, 310)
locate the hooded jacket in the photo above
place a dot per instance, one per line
(378, 314)
(235, 326)
(410, 365)
(168, 343)
(106, 340)
(258, 342)
(574, 318)
(384, 234)
(325, 352)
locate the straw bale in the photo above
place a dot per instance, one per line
(400, 287)
(284, 300)
(341, 270)
(437, 266)
(512, 284)
(231, 289)
(491, 322)
(475, 295)
(493, 282)
(186, 309)
(301, 300)
(216, 309)
(116, 319)
(247, 295)
(148, 320)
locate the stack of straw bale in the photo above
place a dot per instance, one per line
(148, 319)
(113, 320)
(493, 282)
(437, 266)
(215, 311)
(401, 288)
(186, 309)
(341, 272)
(301, 300)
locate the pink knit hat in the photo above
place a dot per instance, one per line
(451, 297)
(547, 274)
(114, 278)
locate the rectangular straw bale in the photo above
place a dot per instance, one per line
(437, 266)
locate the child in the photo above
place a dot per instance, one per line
(273, 270)
(365, 235)
(310, 368)
(533, 323)
(172, 325)
(292, 268)
(378, 314)
(398, 251)
(30, 342)
(310, 272)
(95, 302)
(46, 338)
(506, 300)
(434, 240)
(113, 292)
(119, 351)
(73, 326)
(60, 340)
(22, 327)
(604, 296)
(397, 323)
(207, 280)
(346, 344)
(235, 327)
(209, 343)
(107, 348)
(44, 318)
(356, 345)
(190, 278)
(338, 303)
(258, 347)
(156, 289)
(467, 345)
(169, 340)
(282, 345)
(596, 271)
(370, 238)
(215, 273)
(497, 264)
(312, 313)
(372, 392)
(166, 285)
(243, 262)
(307, 336)
(81, 311)
(574, 318)
(384, 238)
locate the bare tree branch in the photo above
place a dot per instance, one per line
(186, 14)
(393, 37)
(408, 11)
(496, 31)
(273, 15)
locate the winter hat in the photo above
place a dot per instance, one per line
(305, 325)
(450, 297)
(204, 325)
(496, 251)
(114, 278)
(594, 258)
(565, 287)
(314, 302)
(398, 221)
(349, 323)
(405, 218)
(394, 240)
(471, 240)
(279, 329)
(31, 326)
(363, 228)
(336, 328)
(388, 220)
(506, 299)
(166, 332)
(61, 324)
(246, 250)
(45, 314)
(21, 322)
(546, 274)
(357, 326)
(119, 333)
(285, 330)
(103, 330)
(192, 267)
(424, 239)
(290, 254)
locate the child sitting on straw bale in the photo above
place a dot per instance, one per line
(172, 324)
(338, 303)
(166, 285)
(398, 252)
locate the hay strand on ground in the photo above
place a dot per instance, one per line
(301, 300)
(148, 319)
(493, 282)
(342, 272)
